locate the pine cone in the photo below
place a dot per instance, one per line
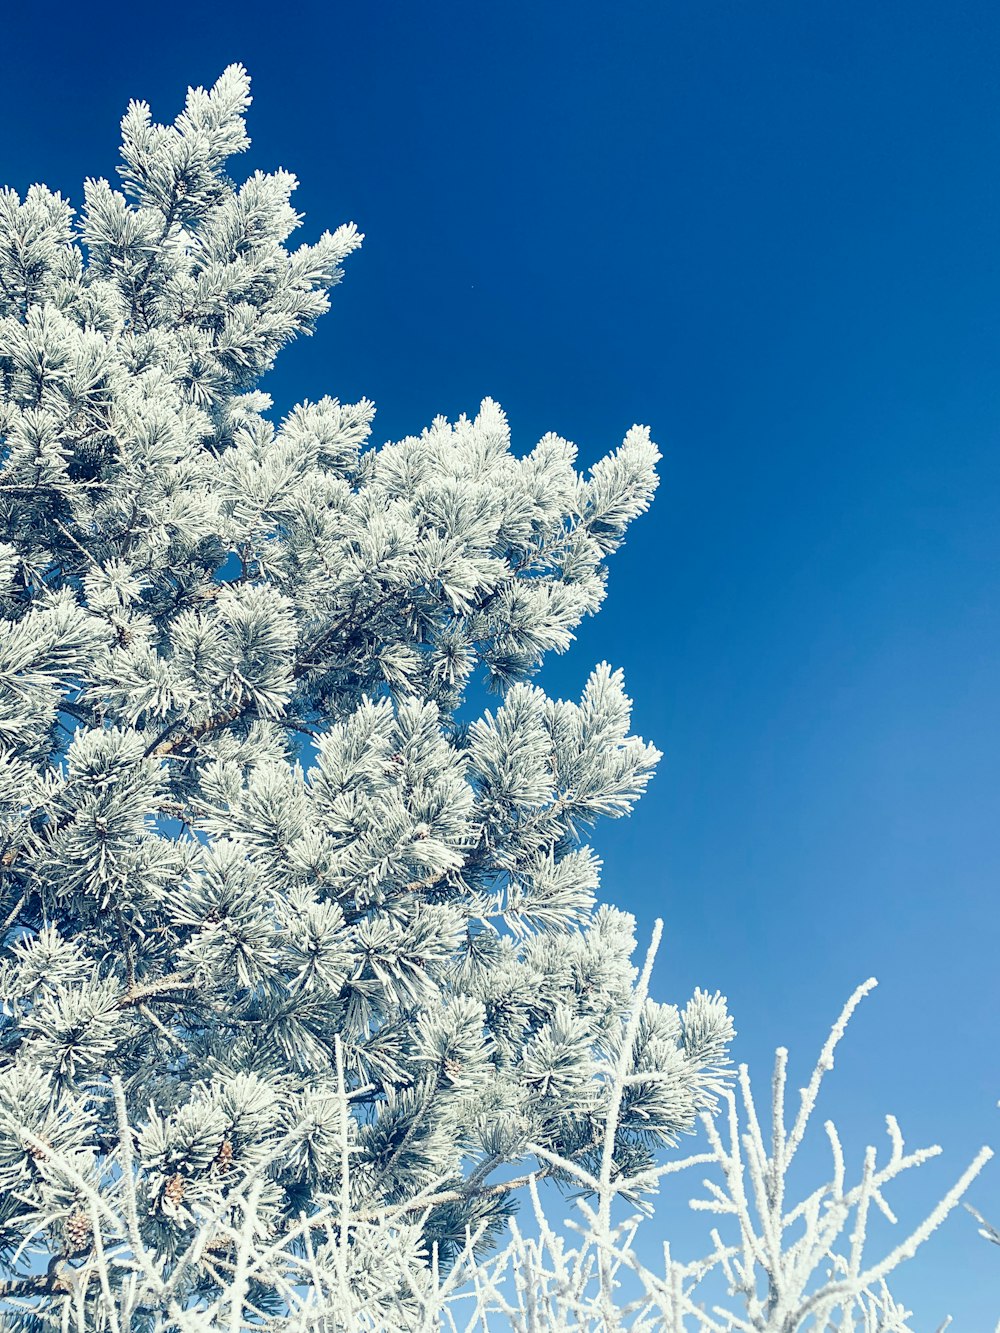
(78, 1230)
(174, 1192)
(224, 1157)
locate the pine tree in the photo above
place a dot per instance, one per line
(252, 860)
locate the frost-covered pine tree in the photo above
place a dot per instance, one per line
(253, 867)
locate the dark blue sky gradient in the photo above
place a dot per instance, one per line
(770, 231)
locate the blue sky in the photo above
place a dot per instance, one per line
(770, 231)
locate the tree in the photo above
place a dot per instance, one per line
(255, 868)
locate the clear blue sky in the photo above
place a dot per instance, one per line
(772, 232)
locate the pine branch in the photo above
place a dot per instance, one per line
(211, 724)
(73, 542)
(424, 1201)
(44, 488)
(37, 1284)
(164, 988)
(11, 916)
(153, 748)
(303, 665)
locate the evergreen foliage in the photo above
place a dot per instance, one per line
(774, 1266)
(243, 832)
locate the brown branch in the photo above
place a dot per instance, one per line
(210, 724)
(129, 962)
(165, 1032)
(73, 542)
(153, 746)
(303, 665)
(12, 914)
(76, 710)
(174, 810)
(43, 488)
(38, 1284)
(154, 990)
